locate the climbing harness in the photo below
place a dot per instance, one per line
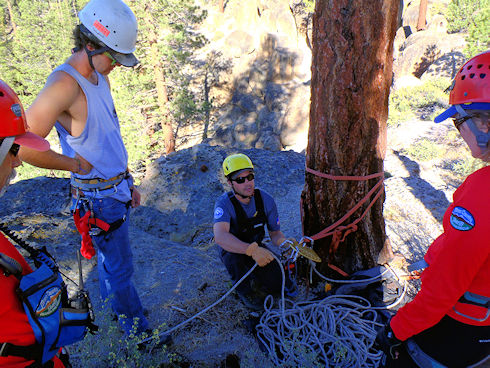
(88, 225)
(252, 229)
(97, 184)
(338, 231)
(56, 319)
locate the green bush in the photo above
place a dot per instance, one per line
(465, 166)
(425, 150)
(405, 102)
(471, 17)
(110, 347)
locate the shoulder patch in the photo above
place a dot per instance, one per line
(461, 219)
(218, 212)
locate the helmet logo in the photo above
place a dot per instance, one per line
(17, 110)
(101, 28)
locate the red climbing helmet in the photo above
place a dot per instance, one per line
(471, 87)
(472, 83)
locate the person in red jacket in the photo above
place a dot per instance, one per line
(447, 324)
(14, 325)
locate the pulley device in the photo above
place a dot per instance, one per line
(300, 248)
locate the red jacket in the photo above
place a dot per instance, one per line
(459, 261)
(14, 325)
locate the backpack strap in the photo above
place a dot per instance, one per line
(10, 266)
(30, 352)
(259, 206)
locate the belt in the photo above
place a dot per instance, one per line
(96, 184)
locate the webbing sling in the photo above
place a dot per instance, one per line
(250, 229)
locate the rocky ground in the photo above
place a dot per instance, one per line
(177, 271)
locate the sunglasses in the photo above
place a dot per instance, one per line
(241, 179)
(113, 61)
(478, 119)
(14, 150)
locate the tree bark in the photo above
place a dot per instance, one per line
(421, 21)
(351, 78)
(161, 87)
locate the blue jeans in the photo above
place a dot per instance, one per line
(115, 264)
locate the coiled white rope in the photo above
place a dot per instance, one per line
(337, 331)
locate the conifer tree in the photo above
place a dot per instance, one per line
(160, 89)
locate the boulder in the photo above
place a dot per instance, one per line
(446, 66)
(421, 49)
(239, 42)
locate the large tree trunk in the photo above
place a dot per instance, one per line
(351, 77)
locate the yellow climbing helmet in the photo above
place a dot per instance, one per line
(236, 162)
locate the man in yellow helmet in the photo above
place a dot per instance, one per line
(240, 218)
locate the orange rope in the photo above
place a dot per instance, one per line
(339, 232)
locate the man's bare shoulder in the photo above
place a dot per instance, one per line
(63, 82)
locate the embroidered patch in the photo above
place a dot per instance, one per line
(49, 302)
(461, 219)
(218, 212)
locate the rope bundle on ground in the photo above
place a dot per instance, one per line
(337, 331)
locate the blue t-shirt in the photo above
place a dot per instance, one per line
(225, 212)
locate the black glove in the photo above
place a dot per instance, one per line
(387, 341)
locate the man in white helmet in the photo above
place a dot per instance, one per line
(77, 101)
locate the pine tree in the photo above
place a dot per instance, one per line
(39, 39)
(159, 92)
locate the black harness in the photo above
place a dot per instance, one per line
(248, 229)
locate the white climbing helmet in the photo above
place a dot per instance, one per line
(114, 24)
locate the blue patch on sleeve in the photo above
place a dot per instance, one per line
(218, 212)
(461, 219)
(277, 221)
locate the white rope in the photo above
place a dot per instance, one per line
(205, 309)
(337, 331)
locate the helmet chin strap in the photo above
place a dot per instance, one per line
(94, 52)
(5, 147)
(481, 138)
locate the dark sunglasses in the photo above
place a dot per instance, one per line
(14, 150)
(241, 179)
(476, 117)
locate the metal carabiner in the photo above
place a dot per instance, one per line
(98, 192)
